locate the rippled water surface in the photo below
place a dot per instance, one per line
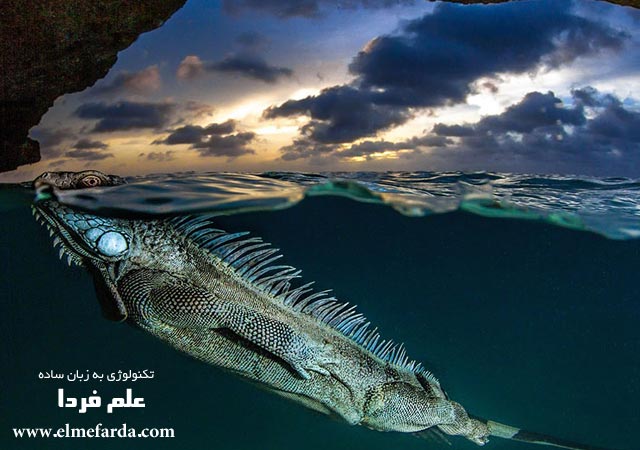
(608, 206)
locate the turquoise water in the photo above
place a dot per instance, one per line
(520, 293)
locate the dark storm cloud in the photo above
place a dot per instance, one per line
(221, 128)
(534, 111)
(232, 145)
(368, 147)
(587, 96)
(159, 156)
(615, 123)
(427, 141)
(125, 115)
(305, 148)
(145, 81)
(341, 114)
(194, 134)
(90, 154)
(453, 130)
(89, 150)
(435, 60)
(216, 139)
(597, 135)
(188, 134)
(251, 67)
(305, 8)
(247, 65)
(85, 144)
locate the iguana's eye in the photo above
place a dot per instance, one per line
(90, 181)
(112, 243)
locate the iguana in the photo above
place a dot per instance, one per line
(223, 298)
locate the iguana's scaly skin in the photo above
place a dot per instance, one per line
(220, 298)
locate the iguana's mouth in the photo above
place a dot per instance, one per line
(46, 213)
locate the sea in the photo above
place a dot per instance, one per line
(521, 293)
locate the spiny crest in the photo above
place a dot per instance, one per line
(254, 260)
(71, 258)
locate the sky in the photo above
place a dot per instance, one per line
(539, 86)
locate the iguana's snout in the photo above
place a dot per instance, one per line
(85, 237)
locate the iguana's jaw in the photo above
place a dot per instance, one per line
(97, 243)
(64, 237)
(84, 238)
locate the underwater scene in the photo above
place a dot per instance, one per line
(320, 224)
(517, 295)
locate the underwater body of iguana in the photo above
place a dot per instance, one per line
(220, 297)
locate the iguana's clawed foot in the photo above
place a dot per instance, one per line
(478, 432)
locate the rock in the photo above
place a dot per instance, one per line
(52, 47)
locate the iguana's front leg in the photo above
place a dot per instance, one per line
(177, 302)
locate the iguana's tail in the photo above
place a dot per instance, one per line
(516, 434)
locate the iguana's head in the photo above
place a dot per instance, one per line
(87, 239)
(78, 180)
(98, 243)
(84, 237)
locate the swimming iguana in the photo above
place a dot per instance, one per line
(222, 298)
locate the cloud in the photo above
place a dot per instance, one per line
(198, 109)
(194, 134)
(435, 60)
(143, 82)
(85, 144)
(534, 111)
(305, 8)
(597, 135)
(188, 134)
(252, 40)
(244, 64)
(305, 148)
(341, 114)
(593, 134)
(190, 67)
(159, 156)
(50, 139)
(125, 115)
(90, 154)
(190, 111)
(216, 139)
(232, 145)
(220, 128)
(89, 150)
(453, 130)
